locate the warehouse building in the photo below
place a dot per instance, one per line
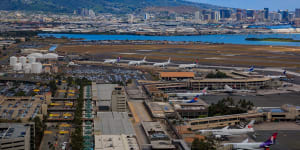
(248, 83)
(101, 95)
(176, 75)
(157, 136)
(113, 123)
(192, 110)
(114, 131)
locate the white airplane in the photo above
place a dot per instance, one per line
(194, 100)
(187, 66)
(112, 61)
(278, 77)
(228, 89)
(203, 92)
(219, 133)
(245, 145)
(162, 64)
(137, 62)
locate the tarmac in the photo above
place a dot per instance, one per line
(273, 100)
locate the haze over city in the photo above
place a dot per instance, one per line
(254, 4)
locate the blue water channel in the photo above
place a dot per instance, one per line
(227, 39)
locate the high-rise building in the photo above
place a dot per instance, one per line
(92, 13)
(274, 16)
(284, 15)
(215, 15)
(130, 18)
(197, 16)
(238, 14)
(118, 100)
(266, 13)
(225, 13)
(297, 13)
(146, 16)
(250, 13)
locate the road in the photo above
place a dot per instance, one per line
(140, 114)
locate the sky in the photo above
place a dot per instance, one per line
(255, 4)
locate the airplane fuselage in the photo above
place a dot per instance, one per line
(160, 64)
(187, 66)
(228, 132)
(188, 94)
(245, 146)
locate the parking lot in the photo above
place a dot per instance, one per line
(13, 109)
(106, 74)
(22, 89)
(56, 136)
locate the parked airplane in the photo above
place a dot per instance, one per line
(228, 89)
(219, 133)
(188, 66)
(203, 92)
(137, 62)
(279, 77)
(194, 100)
(162, 64)
(245, 145)
(112, 61)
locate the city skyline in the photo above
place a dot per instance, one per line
(274, 5)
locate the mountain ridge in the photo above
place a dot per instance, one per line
(100, 6)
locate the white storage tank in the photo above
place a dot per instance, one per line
(27, 68)
(36, 67)
(17, 67)
(13, 60)
(31, 59)
(23, 60)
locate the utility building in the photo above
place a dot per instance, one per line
(118, 100)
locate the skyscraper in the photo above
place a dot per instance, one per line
(238, 14)
(297, 13)
(284, 15)
(250, 13)
(225, 13)
(197, 16)
(266, 13)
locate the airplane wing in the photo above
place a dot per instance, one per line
(225, 128)
(245, 141)
(222, 134)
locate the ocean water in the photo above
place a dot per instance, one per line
(226, 39)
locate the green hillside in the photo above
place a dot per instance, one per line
(101, 6)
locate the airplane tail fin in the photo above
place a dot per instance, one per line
(145, 58)
(169, 61)
(251, 69)
(118, 59)
(270, 141)
(204, 91)
(195, 99)
(250, 124)
(284, 72)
